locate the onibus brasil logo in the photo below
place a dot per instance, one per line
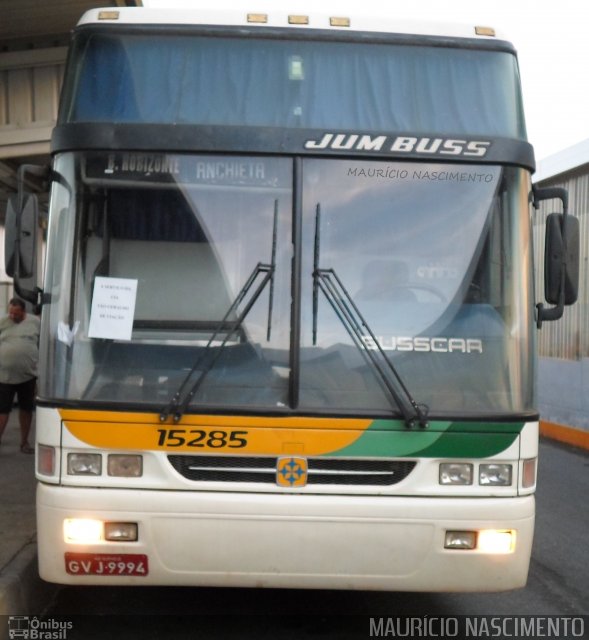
(35, 629)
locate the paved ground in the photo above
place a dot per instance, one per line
(22, 592)
(17, 494)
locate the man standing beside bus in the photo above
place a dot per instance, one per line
(19, 356)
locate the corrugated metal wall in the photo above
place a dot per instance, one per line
(567, 338)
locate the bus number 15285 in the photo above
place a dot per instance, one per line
(215, 439)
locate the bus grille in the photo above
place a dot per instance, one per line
(321, 471)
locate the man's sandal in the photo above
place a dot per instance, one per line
(25, 448)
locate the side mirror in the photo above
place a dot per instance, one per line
(561, 257)
(20, 236)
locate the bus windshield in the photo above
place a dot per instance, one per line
(281, 82)
(152, 254)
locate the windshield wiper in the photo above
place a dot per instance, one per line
(327, 281)
(182, 398)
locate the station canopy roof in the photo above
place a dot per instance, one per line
(26, 26)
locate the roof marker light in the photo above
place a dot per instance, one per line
(339, 22)
(259, 18)
(485, 31)
(298, 19)
(108, 15)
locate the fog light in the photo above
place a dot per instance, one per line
(120, 531)
(496, 475)
(529, 473)
(84, 464)
(496, 542)
(125, 466)
(455, 473)
(45, 460)
(82, 530)
(460, 540)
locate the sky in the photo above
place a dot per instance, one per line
(550, 37)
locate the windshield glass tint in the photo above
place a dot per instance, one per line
(293, 83)
(435, 259)
(172, 268)
(182, 264)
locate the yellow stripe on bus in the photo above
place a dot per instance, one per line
(294, 422)
(214, 434)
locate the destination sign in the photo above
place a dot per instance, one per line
(162, 168)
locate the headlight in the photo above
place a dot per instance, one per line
(489, 541)
(120, 531)
(496, 475)
(460, 540)
(82, 530)
(125, 466)
(455, 473)
(496, 542)
(84, 464)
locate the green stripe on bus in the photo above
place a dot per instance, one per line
(447, 440)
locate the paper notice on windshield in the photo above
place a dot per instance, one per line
(113, 308)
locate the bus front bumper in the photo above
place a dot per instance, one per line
(288, 541)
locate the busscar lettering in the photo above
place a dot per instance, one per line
(422, 344)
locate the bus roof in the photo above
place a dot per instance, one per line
(225, 14)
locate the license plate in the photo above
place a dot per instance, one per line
(106, 564)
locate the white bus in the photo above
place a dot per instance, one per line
(288, 325)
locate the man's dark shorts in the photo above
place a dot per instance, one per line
(25, 392)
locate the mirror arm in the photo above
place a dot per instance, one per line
(30, 295)
(39, 171)
(547, 193)
(550, 313)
